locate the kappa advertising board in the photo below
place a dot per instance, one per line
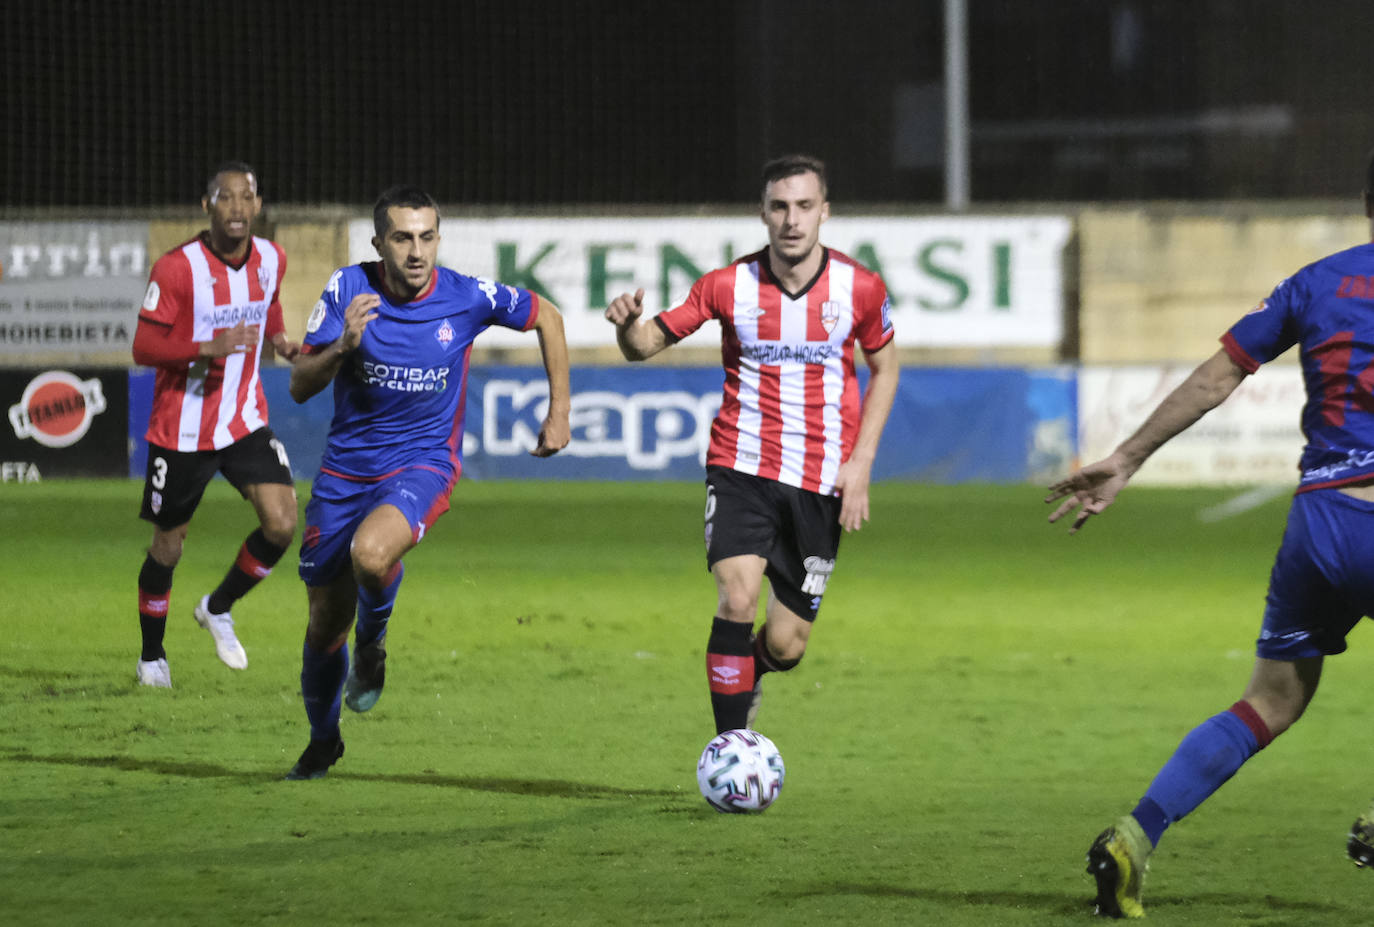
(70, 288)
(637, 422)
(64, 423)
(952, 281)
(947, 425)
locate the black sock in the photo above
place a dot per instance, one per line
(256, 558)
(154, 585)
(730, 672)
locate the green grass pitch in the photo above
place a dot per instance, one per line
(982, 695)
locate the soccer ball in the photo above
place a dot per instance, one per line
(740, 771)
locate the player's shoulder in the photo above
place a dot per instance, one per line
(860, 271)
(1358, 259)
(1341, 272)
(474, 288)
(455, 280)
(268, 246)
(756, 257)
(346, 282)
(174, 264)
(176, 255)
(725, 276)
(867, 283)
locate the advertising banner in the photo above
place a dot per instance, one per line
(947, 425)
(70, 287)
(71, 422)
(952, 281)
(1253, 437)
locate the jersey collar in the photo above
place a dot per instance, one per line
(391, 297)
(767, 269)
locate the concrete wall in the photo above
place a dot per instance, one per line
(1158, 285)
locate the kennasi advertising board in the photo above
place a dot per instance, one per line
(961, 281)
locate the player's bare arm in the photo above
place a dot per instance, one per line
(1092, 489)
(313, 372)
(553, 345)
(228, 341)
(639, 338)
(851, 482)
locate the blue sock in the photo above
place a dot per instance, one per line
(322, 679)
(374, 608)
(1208, 756)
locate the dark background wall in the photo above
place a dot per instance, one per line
(529, 103)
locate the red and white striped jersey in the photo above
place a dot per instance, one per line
(791, 407)
(209, 403)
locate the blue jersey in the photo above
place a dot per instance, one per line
(398, 398)
(1327, 309)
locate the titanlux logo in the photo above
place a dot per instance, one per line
(57, 408)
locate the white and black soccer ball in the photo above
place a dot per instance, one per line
(740, 771)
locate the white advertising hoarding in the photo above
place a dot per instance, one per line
(952, 281)
(1252, 437)
(70, 287)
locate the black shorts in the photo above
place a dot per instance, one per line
(176, 480)
(797, 531)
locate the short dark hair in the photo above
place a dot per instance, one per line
(403, 194)
(790, 166)
(230, 167)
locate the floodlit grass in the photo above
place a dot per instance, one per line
(983, 694)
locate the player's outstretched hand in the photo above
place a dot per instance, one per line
(228, 341)
(356, 316)
(1090, 490)
(626, 309)
(553, 436)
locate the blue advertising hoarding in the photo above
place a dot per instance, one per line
(948, 425)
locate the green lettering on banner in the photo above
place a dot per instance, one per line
(509, 271)
(1001, 275)
(867, 255)
(957, 284)
(669, 260)
(599, 275)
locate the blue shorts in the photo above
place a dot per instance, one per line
(338, 506)
(1322, 583)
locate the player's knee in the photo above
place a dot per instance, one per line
(166, 546)
(279, 528)
(372, 563)
(737, 604)
(788, 655)
(786, 650)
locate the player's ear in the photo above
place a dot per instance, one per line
(825, 211)
(377, 244)
(205, 204)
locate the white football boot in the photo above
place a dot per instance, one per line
(221, 628)
(153, 673)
